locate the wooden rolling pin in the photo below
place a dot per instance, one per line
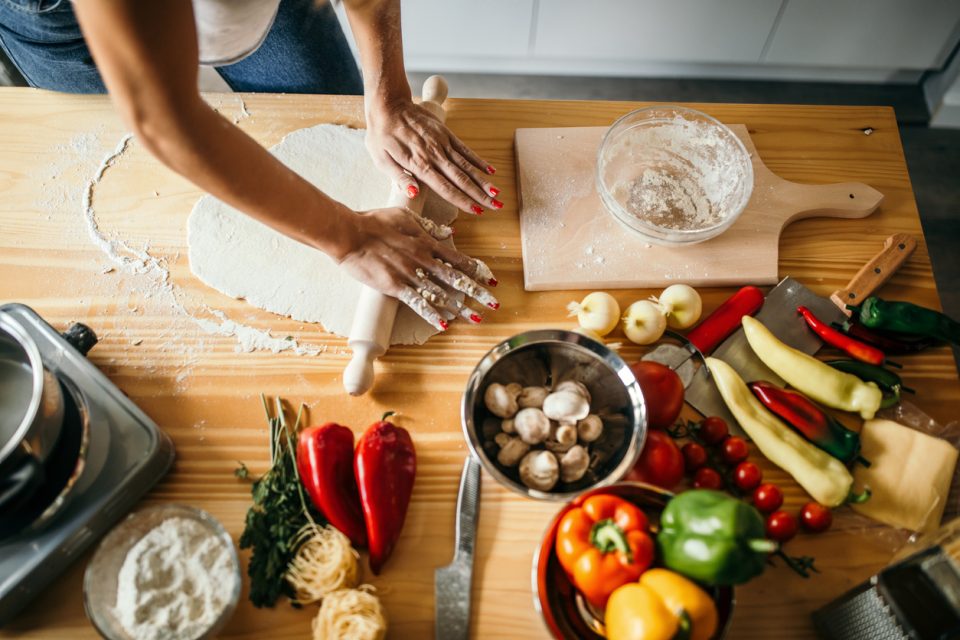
(376, 312)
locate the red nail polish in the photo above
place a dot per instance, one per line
(444, 325)
(492, 282)
(476, 318)
(453, 231)
(476, 209)
(497, 204)
(494, 191)
(491, 170)
(413, 192)
(494, 305)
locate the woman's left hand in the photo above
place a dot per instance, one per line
(410, 144)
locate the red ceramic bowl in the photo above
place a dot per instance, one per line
(565, 613)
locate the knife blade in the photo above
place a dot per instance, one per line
(779, 314)
(452, 583)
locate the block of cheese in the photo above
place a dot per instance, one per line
(909, 474)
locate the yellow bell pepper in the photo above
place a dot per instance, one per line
(658, 607)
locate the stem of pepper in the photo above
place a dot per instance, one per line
(606, 535)
(762, 545)
(858, 498)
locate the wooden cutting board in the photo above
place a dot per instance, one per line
(570, 240)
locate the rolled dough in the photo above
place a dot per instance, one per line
(245, 259)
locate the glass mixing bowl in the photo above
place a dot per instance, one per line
(673, 175)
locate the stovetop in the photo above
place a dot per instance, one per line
(127, 455)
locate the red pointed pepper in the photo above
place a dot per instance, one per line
(325, 463)
(854, 348)
(385, 464)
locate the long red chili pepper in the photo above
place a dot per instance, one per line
(887, 344)
(854, 348)
(725, 319)
(385, 464)
(325, 463)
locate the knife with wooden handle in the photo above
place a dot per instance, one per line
(452, 583)
(375, 314)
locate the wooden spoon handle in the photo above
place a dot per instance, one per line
(896, 249)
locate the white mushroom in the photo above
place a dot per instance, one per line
(500, 400)
(566, 406)
(511, 449)
(590, 428)
(507, 426)
(575, 386)
(532, 425)
(532, 397)
(560, 439)
(574, 463)
(539, 470)
(514, 388)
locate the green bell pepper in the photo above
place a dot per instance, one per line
(713, 538)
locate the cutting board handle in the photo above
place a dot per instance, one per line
(840, 200)
(896, 249)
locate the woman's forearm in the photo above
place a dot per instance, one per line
(376, 29)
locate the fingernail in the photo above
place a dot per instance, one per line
(444, 325)
(453, 231)
(477, 209)
(494, 191)
(476, 318)
(413, 192)
(491, 170)
(497, 204)
(492, 282)
(493, 305)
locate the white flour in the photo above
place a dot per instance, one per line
(677, 174)
(175, 582)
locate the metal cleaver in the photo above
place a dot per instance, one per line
(779, 314)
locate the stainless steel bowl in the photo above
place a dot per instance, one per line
(543, 358)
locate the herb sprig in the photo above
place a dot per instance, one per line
(280, 509)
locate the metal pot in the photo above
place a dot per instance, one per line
(31, 415)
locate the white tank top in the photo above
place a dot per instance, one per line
(230, 30)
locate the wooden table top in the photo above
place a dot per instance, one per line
(204, 392)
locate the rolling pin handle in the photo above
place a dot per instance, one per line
(358, 375)
(434, 90)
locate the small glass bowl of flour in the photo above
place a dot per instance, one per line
(165, 573)
(673, 175)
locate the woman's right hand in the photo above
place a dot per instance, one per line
(400, 254)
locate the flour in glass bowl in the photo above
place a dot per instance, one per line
(175, 582)
(677, 173)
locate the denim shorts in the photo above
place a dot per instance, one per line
(304, 52)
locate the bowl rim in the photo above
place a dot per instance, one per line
(611, 358)
(173, 510)
(687, 236)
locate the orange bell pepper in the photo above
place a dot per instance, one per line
(603, 544)
(663, 605)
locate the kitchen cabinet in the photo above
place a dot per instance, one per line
(483, 30)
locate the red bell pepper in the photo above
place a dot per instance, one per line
(725, 319)
(325, 463)
(854, 348)
(385, 464)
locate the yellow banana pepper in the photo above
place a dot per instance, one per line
(658, 607)
(820, 474)
(806, 374)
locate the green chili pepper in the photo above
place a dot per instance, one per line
(907, 318)
(888, 381)
(714, 538)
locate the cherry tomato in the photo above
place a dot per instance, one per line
(734, 450)
(767, 497)
(694, 456)
(662, 390)
(781, 526)
(660, 463)
(707, 478)
(815, 517)
(713, 430)
(747, 476)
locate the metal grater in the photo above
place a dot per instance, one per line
(917, 599)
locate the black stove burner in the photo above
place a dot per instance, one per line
(59, 468)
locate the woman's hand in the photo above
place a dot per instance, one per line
(400, 254)
(409, 144)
